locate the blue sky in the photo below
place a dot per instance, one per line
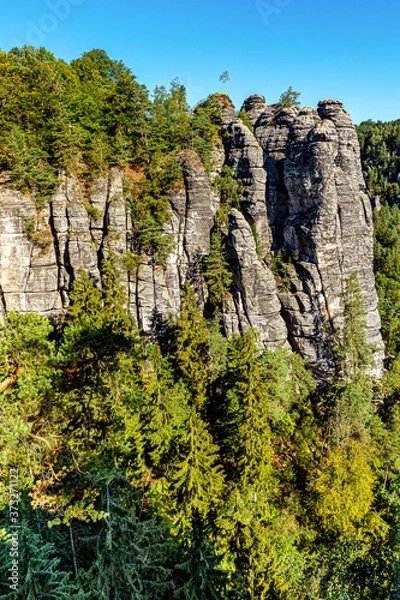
(345, 49)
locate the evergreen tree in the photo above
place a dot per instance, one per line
(202, 574)
(164, 412)
(39, 575)
(198, 479)
(28, 167)
(192, 350)
(216, 270)
(85, 300)
(355, 352)
(289, 98)
(224, 77)
(67, 143)
(134, 555)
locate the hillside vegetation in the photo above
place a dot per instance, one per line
(194, 467)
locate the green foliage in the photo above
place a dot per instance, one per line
(205, 579)
(216, 270)
(244, 117)
(133, 553)
(198, 467)
(201, 473)
(387, 266)
(26, 352)
(289, 98)
(380, 144)
(345, 487)
(192, 351)
(224, 78)
(228, 187)
(28, 168)
(30, 226)
(258, 241)
(282, 267)
(39, 572)
(352, 347)
(205, 121)
(164, 411)
(149, 213)
(198, 479)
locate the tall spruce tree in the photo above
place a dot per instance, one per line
(355, 351)
(192, 349)
(216, 270)
(198, 479)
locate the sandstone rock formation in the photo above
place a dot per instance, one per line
(319, 211)
(302, 196)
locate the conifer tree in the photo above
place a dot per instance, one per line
(202, 574)
(289, 98)
(39, 575)
(29, 167)
(164, 411)
(26, 435)
(134, 555)
(114, 295)
(216, 270)
(192, 352)
(85, 300)
(67, 142)
(355, 351)
(198, 479)
(250, 392)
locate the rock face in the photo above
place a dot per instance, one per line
(303, 198)
(321, 215)
(255, 300)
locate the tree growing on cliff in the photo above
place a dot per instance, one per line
(355, 352)
(224, 78)
(289, 98)
(216, 270)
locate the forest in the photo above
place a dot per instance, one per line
(190, 466)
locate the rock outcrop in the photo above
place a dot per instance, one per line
(303, 204)
(321, 216)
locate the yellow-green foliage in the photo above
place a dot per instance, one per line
(345, 487)
(244, 117)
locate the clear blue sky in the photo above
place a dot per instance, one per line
(345, 49)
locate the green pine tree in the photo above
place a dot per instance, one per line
(192, 349)
(217, 274)
(39, 571)
(198, 479)
(355, 352)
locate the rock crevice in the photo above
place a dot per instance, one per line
(302, 196)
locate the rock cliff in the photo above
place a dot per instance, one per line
(303, 205)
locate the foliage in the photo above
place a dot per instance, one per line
(352, 347)
(387, 265)
(195, 467)
(380, 143)
(216, 271)
(224, 78)
(244, 117)
(289, 98)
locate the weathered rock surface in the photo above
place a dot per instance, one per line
(255, 294)
(245, 156)
(28, 271)
(320, 213)
(302, 193)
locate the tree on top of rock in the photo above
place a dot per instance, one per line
(289, 98)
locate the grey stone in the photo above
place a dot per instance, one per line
(303, 193)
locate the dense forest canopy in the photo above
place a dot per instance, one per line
(194, 467)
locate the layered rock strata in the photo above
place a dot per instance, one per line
(303, 201)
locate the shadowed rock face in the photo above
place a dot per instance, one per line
(320, 213)
(302, 193)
